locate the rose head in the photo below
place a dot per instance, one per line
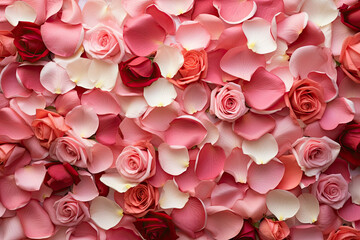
(28, 41)
(350, 16)
(60, 176)
(7, 47)
(156, 226)
(138, 72)
(344, 233)
(349, 140)
(350, 57)
(273, 230)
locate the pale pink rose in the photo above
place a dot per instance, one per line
(345, 233)
(85, 230)
(315, 155)
(331, 190)
(66, 211)
(136, 163)
(228, 102)
(273, 230)
(105, 43)
(138, 200)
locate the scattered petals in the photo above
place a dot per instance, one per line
(105, 212)
(282, 204)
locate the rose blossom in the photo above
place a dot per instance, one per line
(48, 126)
(103, 42)
(315, 155)
(306, 101)
(7, 47)
(194, 68)
(350, 16)
(67, 149)
(344, 233)
(66, 211)
(228, 102)
(60, 176)
(138, 200)
(349, 140)
(350, 57)
(136, 163)
(273, 230)
(331, 190)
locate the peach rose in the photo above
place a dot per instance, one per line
(306, 101)
(331, 190)
(105, 43)
(315, 155)
(48, 126)
(228, 102)
(345, 233)
(194, 68)
(138, 200)
(7, 47)
(136, 163)
(350, 57)
(273, 230)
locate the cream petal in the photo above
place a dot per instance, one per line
(309, 208)
(169, 59)
(105, 212)
(261, 150)
(282, 204)
(20, 11)
(172, 197)
(160, 93)
(116, 182)
(174, 160)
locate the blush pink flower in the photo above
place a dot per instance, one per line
(228, 102)
(331, 190)
(315, 155)
(350, 57)
(136, 163)
(105, 43)
(344, 233)
(273, 230)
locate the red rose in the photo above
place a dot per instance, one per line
(156, 226)
(28, 41)
(247, 232)
(350, 16)
(139, 72)
(60, 176)
(349, 140)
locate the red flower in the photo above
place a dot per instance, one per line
(139, 72)
(248, 232)
(60, 176)
(28, 41)
(156, 226)
(350, 16)
(349, 140)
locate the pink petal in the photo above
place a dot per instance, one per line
(237, 165)
(265, 177)
(10, 85)
(339, 166)
(53, 36)
(20, 11)
(212, 24)
(210, 162)
(252, 206)
(143, 35)
(108, 129)
(234, 12)
(159, 179)
(132, 132)
(11, 196)
(232, 37)
(252, 126)
(291, 27)
(267, 9)
(159, 119)
(12, 126)
(306, 232)
(55, 79)
(121, 233)
(241, 62)
(37, 152)
(66, 102)
(292, 175)
(18, 158)
(329, 86)
(192, 36)
(228, 139)
(29, 75)
(195, 97)
(30, 178)
(339, 33)
(214, 73)
(226, 195)
(350, 211)
(224, 224)
(175, 7)
(284, 74)
(102, 158)
(163, 19)
(203, 189)
(263, 90)
(10, 228)
(135, 8)
(76, 120)
(30, 104)
(186, 131)
(102, 102)
(86, 189)
(71, 12)
(191, 218)
(53, 7)
(338, 111)
(188, 180)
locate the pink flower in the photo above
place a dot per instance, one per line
(315, 155)
(228, 102)
(66, 211)
(136, 163)
(105, 43)
(331, 190)
(273, 230)
(344, 233)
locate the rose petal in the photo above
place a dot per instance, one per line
(133, 106)
(159, 179)
(103, 74)
(83, 121)
(261, 150)
(133, 133)
(338, 111)
(237, 165)
(309, 208)
(212, 24)
(235, 12)
(20, 11)
(11, 196)
(292, 26)
(30, 178)
(10, 228)
(102, 158)
(163, 19)
(172, 197)
(105, 212)
(86, 189)
(321, 18)
(160, 93)
(224, 224)
(350, 211)
(192, 36)
(329, 86)
(252, 126)
(174, 160)
(169, 59)
(12, 126)
(55, 79)
(354, 189)
(195, 97)
(188, 180)
(108, 129)
(292, 175)
(102, 102)
(116, 182)
(306, 232)
(226, 194)
(175, 7)
(78, 72)
(209, 162)
(10, 85)
(30, 104)
(29, 76)
(282, 204)
(252, 206)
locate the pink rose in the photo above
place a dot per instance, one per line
(138, 200)
(273, 230)
(331, 190)
(67, 149)
(85, 230)
(350, 57)
(228, 102)
(66, 211)
(345, 233)
(315, 155)
(136, 163)
(105, 43)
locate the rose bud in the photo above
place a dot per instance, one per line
(349, 140)
(350, 16)
(60, 176)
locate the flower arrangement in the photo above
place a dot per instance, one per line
(183, 119)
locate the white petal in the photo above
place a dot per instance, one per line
(160, 93)
(116, 182)
(355, 190)
(83, 121)
(20, 11)
(259, 37)
(105, 212)
(282, 204)
(172, 197)
(78, 72)
(309, 208)
(133, 106)
(103, 74)
(173, 159)
(55, 79)
(321, 12)
(261, 150)
(169, 60)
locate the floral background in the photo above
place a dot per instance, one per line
(182, 119)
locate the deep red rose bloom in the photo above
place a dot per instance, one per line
(349, 140)
(28, 41)
(156, 226)
(139, 72)
(60, 176)
(350, 16)
(248, 232)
